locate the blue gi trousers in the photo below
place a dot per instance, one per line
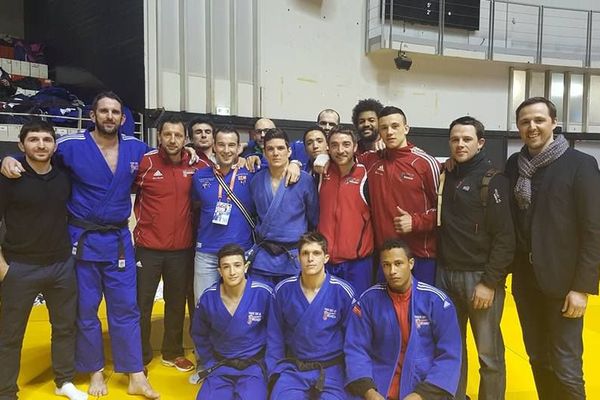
(227, 383)
(359, 273)
(119, 288)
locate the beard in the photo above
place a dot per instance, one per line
(108, 131)
(367, 139)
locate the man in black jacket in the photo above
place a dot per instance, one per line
(556, 267)
(476, 245)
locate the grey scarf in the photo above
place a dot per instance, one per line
(528, 167)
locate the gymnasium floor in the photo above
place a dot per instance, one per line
(36, 376)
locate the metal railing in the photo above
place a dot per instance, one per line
(508, 31)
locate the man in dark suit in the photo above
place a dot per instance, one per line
(556, 267)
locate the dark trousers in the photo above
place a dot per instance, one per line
(554, 343)
(20, 287)
(485, 325)
(176, 269)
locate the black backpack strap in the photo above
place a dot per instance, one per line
(485, 185)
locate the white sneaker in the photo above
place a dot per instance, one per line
(194, 378)
(69, 390)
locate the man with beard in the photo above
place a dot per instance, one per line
(476, 243)
(364, 118)
(200, 132)
(343, 200)
(164, 238)
(102, 165)
(40, 261)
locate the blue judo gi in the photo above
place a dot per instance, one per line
(218, 336)
(433, 353)
(99, 207)
(303, 333)
(282, 219)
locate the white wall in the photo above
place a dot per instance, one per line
(11, 18)
(312, 57)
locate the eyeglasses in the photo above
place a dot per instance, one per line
(325, 123)
(261, 131)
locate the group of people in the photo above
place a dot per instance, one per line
(344, 265)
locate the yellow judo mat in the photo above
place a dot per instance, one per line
(36, 383)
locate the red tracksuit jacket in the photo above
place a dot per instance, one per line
(407, 178)
(163, 205)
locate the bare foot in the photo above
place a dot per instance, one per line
(139, 385)
(97, 384)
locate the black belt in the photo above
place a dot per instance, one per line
(89, 226)
(238, 363)
(317, 388)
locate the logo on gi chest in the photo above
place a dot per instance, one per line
(329, 313)
(421, 320)
(254, 316)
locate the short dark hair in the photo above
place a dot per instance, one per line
(313, 237)
(227, 129)
(365, 105)
(106, 95)
(36, 125)
(343, 130)
(394, 243)
(198, 120)
(389, 110)
(276, 133)
(466, 120)
(230, 249)
(534, 100)
(170, 119)
(328, 110)
(313, 128)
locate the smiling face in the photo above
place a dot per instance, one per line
(172, 138)
(393, 130)
(107, 116)
(226, 148)
(38, 146)
(536, 127)
(342, 149)
(233, 270)
(312, 259)
(397, 269)
(464, 143)
(367, 126)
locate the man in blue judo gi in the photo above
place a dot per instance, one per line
(403, 340)
(229, 330)
(102, 165)
(284, 212)
(307, 323)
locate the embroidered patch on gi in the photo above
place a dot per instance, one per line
(242, 179)
(205, 184)
(329, 313)
(254, 316)
(421, 320)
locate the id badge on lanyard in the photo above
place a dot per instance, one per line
(222, 208)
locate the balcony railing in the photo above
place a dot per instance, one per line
(508, 31)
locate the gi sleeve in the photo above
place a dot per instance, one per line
(445, 369)
(275, 340)
(586, 193)
(499, 226)
(357, 345)
(312, 204)
(200, 332)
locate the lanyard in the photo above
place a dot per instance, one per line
(231, 183)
